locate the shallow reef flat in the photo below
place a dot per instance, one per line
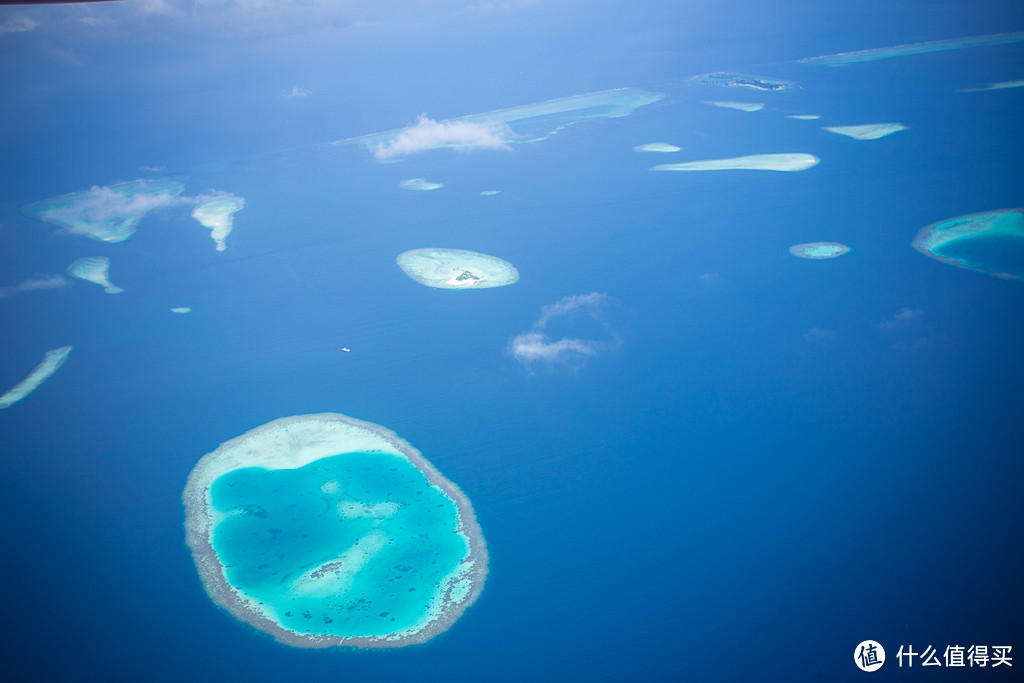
(876, 54)
(866, 131)
(94, 269)
(531, 122)
(50, 364)
(325, 531)
(990, 242)
(818, 250)
(456, 268)
(216, 212)
(107, 214)
(752, 162)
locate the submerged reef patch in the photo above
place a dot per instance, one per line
(456, 268)
(216, 212)
(818, 250)
(991, 242)
(108, 214)
(752, 162)
(94, 269)
(50, 364)
(324, 531)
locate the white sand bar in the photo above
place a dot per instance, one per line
(51, 363)
(216, 212)
(741, 106)
(867, 131)
(456, 269)
(420, 184)
(94, 269)
(663, 147)
(818, 250)
(753, 162)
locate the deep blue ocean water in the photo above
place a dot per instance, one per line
(767, 461)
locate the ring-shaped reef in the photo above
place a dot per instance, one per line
(456, 268)
(818, 250)
(323, 530)
(990, 242)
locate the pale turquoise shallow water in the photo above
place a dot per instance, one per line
(284, 523)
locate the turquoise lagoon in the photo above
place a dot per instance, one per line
(323, 530)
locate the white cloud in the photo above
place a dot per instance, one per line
(104, 204)
(429, 134)
(161, 7)
(530, 347)
(816, 334)
(535, 346)
(19, 23)
(34, 284)
(62, 55)
(499, 6)
(902, 318)
(711, 278)
(295, 92)
(590, 303)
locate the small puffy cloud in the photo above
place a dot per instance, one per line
(429, 134)
(153, 169)
(538, 347)
(710, 278)
(19, 23)
(161, 7)
(530, 347)
(817, 334)
(904, 317)
(34, 284)
(62, 55)
(590, 303)
(294, 93)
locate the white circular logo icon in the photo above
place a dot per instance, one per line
(869, 655)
